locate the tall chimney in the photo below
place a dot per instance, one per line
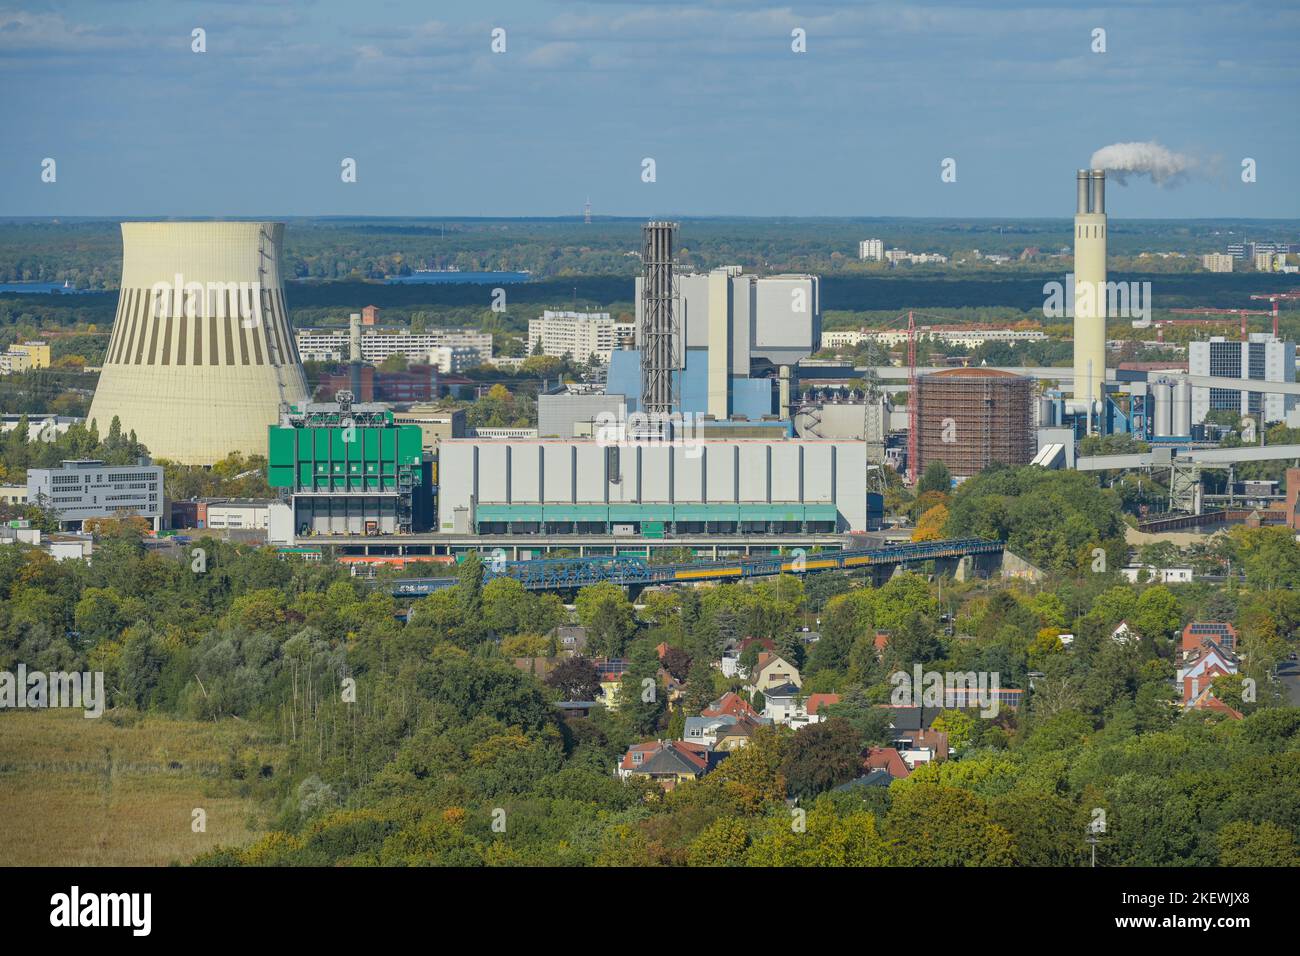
(1098, 179)
(1081, 184)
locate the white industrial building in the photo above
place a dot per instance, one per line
(87, 488)
(738, 486)
(578, 335)
(331, 345)
(1262, 357)
(777, 317)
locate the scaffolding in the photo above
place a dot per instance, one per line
(971, 418)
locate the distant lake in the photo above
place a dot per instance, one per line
(483, 278)
(42, 288)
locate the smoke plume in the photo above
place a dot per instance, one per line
(1122, 160)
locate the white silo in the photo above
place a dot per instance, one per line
(1161, 416)
(202, 354)
(1182, 408)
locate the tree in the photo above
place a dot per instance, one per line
(469, 588)
(933, 825)
(929, 527)
(1157, 614)
(677, 662)
(958, 725)
(576, 678)
(821, 756)
(936, 477)
(1242, 843)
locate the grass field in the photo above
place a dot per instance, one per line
(80, 792)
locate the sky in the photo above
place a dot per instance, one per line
(736, 122)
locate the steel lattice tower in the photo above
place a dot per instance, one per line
(658, 318)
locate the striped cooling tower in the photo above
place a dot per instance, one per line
(202, 354)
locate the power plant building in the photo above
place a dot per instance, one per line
(201, 356)
(730, 328)
(970, 418)
(651, 489)
(1262, 357)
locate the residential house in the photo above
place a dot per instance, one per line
(887, 759)
(1123, 633)
(781, 702)
(610, 673)
(668, 762)
(1197, 673)
(571, 640)
(797, 711)
(1199, 634)
(872, 778)
(772, 670)
(730, 703)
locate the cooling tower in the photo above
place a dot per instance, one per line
(201, 356)
(1090, 285)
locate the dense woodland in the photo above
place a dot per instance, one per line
(446, 737)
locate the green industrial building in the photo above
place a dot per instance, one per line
(350, 469)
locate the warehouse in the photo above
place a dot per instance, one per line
(738, 486)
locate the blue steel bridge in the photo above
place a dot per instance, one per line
(564, 574)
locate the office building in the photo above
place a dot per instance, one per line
(87, 488)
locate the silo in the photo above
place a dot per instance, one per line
(1161, 416)
(1182, 413)
(202, 354)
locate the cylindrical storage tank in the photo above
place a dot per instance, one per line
(1045, 413)
(1182, 413)
(970, 418)
(1162, 412)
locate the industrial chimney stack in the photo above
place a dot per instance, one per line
(1090, 284)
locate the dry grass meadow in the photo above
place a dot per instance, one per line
(78, 792)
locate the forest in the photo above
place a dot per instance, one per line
(420, 741)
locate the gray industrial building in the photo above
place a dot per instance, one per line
(1261, 358)
(739, 486)
(87, 488)
(568, 415)
(777, 318)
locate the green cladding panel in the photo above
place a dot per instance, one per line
(334, 459)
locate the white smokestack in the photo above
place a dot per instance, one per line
(1143, 159)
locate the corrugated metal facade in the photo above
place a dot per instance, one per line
(821, 481)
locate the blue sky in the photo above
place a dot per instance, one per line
(736, 122)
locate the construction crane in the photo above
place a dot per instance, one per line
(1241, 312)
(1273, 298)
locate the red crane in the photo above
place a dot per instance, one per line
(1241, 312)
(913, 419)
(1273, 298)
